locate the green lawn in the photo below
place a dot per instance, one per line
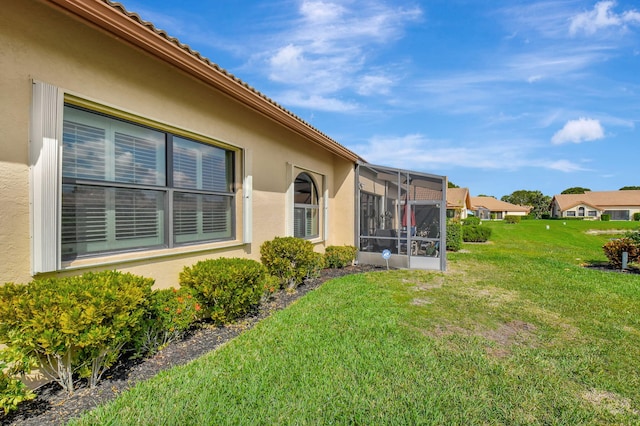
(516, 332)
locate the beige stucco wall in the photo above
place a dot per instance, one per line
(40, 43)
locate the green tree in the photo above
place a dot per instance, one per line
(451, 185)
(540, 203)
(629, 188)
(575, 190)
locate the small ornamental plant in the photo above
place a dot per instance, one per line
(170, 315)
(73, 326)
(613, 250)
(291, 259)
(475, 234)
(228, 288)
(511, 219)
(454, 235)
(340, 256)
(12, 390)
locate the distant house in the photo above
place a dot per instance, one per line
(492, 208)
(458, 202)
(619, 205)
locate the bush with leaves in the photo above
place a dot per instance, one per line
(228, 288)
(170, 314)
(636, 216)
(454, 235)
(290, 259)
(74, 325)
(511, 219)
(605, 217)
(340, 256)
(12, 390)
(475, 234)
(613, 249)
(470, 221)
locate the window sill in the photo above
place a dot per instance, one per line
(114, 259)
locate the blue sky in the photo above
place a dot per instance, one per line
(497, 95)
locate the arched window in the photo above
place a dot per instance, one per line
(306, 207)
(581, 211)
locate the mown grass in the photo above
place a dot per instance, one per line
(516, 332)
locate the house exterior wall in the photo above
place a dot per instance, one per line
(40, 43)
(583, 211)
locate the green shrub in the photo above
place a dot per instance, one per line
(636, 216)
(605, 217)
(227, 287)
(290, 259)
(613, 250)
(511, 219)
(12, 390)
(171, 313)
(471, 221)
(454, 235)
(475, 234)
(545, 216)
(340, 256)
(75, 325)
(634, 236)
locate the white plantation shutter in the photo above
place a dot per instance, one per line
(84, 151)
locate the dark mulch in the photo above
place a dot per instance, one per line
(53, 406)
(604, 266)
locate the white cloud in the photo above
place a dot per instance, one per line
(316, 102)
(602, 16)
(577, 131)
(374, 84)
(332, 45)
(565, 166)
(418, 152)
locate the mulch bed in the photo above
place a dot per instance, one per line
(53, 406)
(603, 266)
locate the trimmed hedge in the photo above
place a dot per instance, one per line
(227, 287)
(475, 234)
(511, 219)
(636, 216)
(470, 221)
(605, 217)
(74, 325)
(454, 235)
(291, 260)
(339, 256)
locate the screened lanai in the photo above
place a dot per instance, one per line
(401, 214)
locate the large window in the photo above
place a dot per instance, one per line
(306, 207)
(127, 187)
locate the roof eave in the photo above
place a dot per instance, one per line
(118, 23)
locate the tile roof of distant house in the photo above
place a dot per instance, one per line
(114, 19)
(457, 197)
(494, 204)
(599, 199)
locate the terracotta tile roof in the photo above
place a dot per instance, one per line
(458, 198)
(495, 205)
(599, 199)
(112, 17)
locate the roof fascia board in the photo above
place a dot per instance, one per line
(106, 17)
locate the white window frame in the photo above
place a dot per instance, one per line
(45, 156)
(320, 182)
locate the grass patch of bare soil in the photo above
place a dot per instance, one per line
(53, 406)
